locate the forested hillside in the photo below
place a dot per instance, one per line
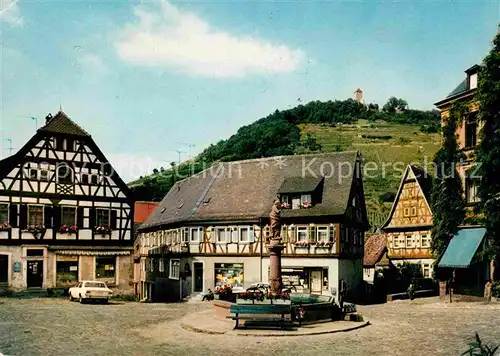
(320, 127)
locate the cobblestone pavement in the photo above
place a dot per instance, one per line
(59, 327)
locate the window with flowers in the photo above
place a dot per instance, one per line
(322, 234)
(103, 217)
(302, 233)
(35, 215)
(68, 216)
(4, 213)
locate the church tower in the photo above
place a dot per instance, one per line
(358, 96)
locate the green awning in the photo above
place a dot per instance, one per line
(462, 248)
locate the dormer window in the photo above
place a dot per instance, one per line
(305, 201)
(473, 81)
(300, 192)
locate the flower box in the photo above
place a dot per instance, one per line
(65, 229)
(102, 230)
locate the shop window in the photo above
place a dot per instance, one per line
(64, 174)
(302, 233)
(4, 213)
(102, 217)
(105, 267)
(68, 216)
(35, 215)
(229, 274)
(471, 190)
(174, 271)
(322, 234)
(66, 272)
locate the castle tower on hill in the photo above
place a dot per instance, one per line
(358, 96)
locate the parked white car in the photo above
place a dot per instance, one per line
(90, 290)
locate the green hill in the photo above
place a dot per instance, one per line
(388, 139)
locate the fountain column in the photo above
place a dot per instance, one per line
(275, 248)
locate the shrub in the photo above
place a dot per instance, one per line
(495, 289)
(404, 140)
(480, 349)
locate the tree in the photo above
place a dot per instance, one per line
(155, 171)
(447, 201)
(394, 104)
(488, 96)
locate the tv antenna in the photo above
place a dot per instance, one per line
(179, 151)
(10, 149)
(34, 118)
(189, 145)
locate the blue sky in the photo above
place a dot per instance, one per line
(143, 76)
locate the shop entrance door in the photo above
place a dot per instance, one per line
(316, 281)
(4, 268)
(35, 274)
(198, 277)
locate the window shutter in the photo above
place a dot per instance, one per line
(331, 231)
(13, 215)
(79, 217)
(47, 216)
(23, 216)
(114, 219)
(312, 233)
(293, 234)
(56, 213)
(92, 218)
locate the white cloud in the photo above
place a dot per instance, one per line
(10, 12)
(93, 62)
(180, 40)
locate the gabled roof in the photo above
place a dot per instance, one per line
(375, 247)
(460, 88)
(424, 181)
(245, 190)
(62, 124)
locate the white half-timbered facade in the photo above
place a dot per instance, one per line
(65, 214)
(212, 229)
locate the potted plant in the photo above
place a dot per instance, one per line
(102, 230)
(306, 205)
(65, 229)
(5, 226)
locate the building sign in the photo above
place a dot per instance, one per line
(17, 266)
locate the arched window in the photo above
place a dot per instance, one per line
(64, 174)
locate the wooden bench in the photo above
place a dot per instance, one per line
(251, 312)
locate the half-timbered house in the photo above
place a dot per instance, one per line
(408, 227)
(66, 215)
(211, 229)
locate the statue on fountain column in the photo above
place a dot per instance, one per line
(275, 221)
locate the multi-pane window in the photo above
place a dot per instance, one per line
(174, 272)
(413, 211)
(471, 190)
(302, 232)
(396, 241)
(68, 216)
(426, 241)
(4, 213)
(406, 211)
(426, 270)
(196, 234)
(322, 234)
(409, 241)
(244, 234)
(185, 235)
(102, 217)
(33, 173)
(64, 174)
(222, 235)
(35, 215)
(471, 130)
(105, 267)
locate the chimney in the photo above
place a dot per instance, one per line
(48, 118)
